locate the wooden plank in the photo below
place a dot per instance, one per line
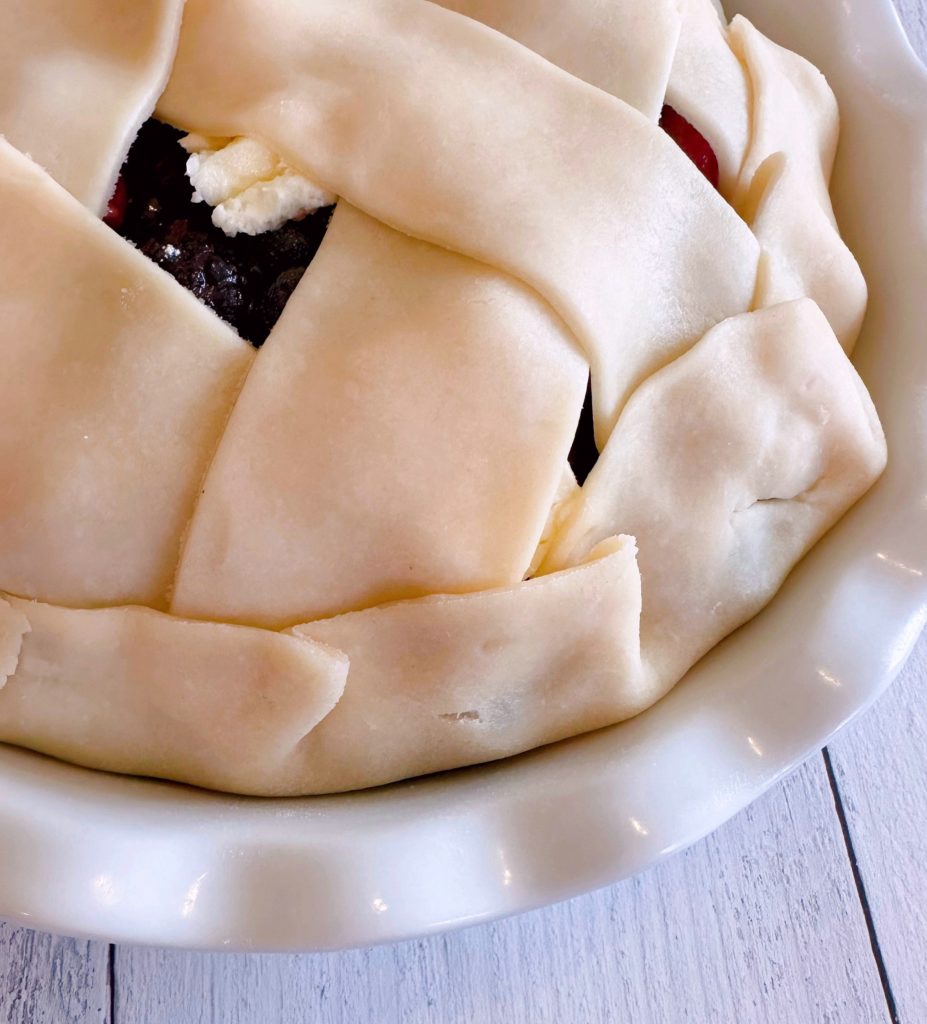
(914, 15)
(881, 769)
(759, 924)
(47, 980)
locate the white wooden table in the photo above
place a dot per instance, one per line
(809, 908)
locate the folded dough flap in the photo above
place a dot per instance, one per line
(803, 253)
(568, 491)
(709, 87)
(765, 436)
(443, 681)
(612, 44)
(794, 110)
(78, 79)
(136, 691)
(783, 192)
(434, 683)
(455, 134)
(13, 627)
(116, 386)
(403, 432)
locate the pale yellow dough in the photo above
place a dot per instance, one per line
(764, 436)
(381, 477)
(78, 78)
(449, 681)
(403, 433)
(624, 47)
(13, 627)
(450, 132)
(709, 87)
(115, 390)
(133, 690)
(794, 110)
(803, 254)
(433, 684)
(783, 190)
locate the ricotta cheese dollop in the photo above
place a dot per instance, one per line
(249, 187)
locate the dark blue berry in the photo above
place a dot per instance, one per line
(247, 281)
(584, 454)
(269, 308)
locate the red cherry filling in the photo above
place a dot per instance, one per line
(116, 208)
(691, 141)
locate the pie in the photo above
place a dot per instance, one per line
(360, 552)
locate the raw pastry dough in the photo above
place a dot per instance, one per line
(403, 433)
(794, 110)
(709, 87)
(784, 185)
(116, 387)
(448, 681)
(133, 690)
(13, 627)
(803, 254)
(507, 223)
(567, 493)
(433, 684)
(487, 150)
(622, 46)
(764, 436)
(78, 78)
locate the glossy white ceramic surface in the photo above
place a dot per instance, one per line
(140, 861)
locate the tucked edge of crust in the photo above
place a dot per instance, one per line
(13, 628)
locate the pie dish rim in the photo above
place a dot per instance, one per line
(149, 862)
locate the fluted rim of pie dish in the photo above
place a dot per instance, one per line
(139, 861)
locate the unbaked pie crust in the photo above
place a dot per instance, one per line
(358, 555)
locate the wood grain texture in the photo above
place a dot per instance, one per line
(47, 980)
(914, 15)
(881, 770)
(760, 923)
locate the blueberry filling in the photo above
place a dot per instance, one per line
(248, 280)
(245, 280)
(584, 454)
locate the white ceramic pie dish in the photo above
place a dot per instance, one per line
(139, 861)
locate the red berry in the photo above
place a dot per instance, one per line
(691, 141)
(116, 209)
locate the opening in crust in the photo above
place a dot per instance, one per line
(247, 280)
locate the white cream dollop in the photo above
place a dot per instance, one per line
(249, 187)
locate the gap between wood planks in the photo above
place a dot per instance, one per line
(111, 1011)
(861, 890)
(111, 984)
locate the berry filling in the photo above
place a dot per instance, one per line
(691, 141)
(116, 208)
(584, 454)
(247, 280)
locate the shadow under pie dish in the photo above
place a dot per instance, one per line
(360, 554)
